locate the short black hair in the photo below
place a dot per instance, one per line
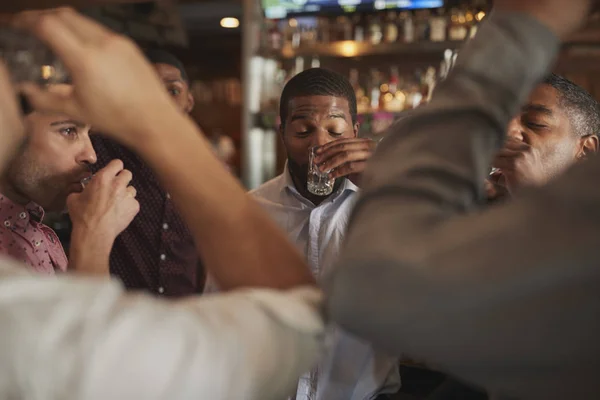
(160, 56)
(317, 82)
(582, 109)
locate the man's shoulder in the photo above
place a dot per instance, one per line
(269, 190)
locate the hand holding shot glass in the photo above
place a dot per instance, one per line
(338, 159)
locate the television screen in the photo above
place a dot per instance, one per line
(275, 9)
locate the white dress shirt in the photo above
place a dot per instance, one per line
(350, 369)
(85, 339)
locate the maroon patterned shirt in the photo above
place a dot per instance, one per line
(156, 253)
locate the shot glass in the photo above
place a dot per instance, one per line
(318, 183)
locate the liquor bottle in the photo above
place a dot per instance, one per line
(422, 28)
(274, 36)
(345, 31)
(439, 26)
(375, 90)
(394, 99)
(359, 29)
(375, 31)
(322, 30)
(428, 84)
(362, 101)
(458, 30)
(391, 28)
(408, 31)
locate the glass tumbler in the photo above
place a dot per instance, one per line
(318, 183)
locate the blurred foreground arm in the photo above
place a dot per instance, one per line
(119, 93)
(506, 298)
(71, 338)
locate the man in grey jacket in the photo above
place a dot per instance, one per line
(506, 298)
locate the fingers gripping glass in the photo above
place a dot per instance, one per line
(318, 183)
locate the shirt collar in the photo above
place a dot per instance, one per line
(14, 215)
(288, 185)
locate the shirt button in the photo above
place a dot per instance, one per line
(23, 215)
(161, 290)
(7, 223)
(168, 196)
(37, 243)
(165, 226)
(163, 257)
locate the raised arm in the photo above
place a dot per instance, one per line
(118, 92)
(507, 297)
(69, 338)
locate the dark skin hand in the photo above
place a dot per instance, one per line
(346, 158)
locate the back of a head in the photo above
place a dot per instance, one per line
(317, 82)
(583, 110)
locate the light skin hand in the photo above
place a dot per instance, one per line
(99, 214)
(115, 89)
(119, 93)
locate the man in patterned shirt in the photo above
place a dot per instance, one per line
(157, 252)
(46, 175)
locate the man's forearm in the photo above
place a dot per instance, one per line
(481, 295)
(89, 253)
(238, 243)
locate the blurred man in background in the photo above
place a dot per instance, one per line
(157, 252)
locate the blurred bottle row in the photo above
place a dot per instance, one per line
(385, 92)
(428, 25)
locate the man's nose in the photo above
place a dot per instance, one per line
(87, 154)
(515, 130)
(321, 138)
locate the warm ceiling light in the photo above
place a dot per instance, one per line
(230, 22)
(348, 48)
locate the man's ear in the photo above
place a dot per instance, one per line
(588, 147)
(356, 129)
(190, 103)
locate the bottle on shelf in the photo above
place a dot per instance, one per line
(394, 100)
(375, 90)
(375, 31)
(322, 31)
(438, 26)
(457, 30)
(345, 28)
(422, 28)
(362, 101)
(408, 27)
(274, 36)
(359, 29)
(428, 84)
(391, 28)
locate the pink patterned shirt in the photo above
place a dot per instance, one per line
(24, 238)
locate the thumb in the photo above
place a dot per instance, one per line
(60, 102)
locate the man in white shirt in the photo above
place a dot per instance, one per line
(318, 108)
(70, 338)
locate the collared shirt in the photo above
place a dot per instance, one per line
(74, 338)
(25, 238)
(350, 369)
(156, 252)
